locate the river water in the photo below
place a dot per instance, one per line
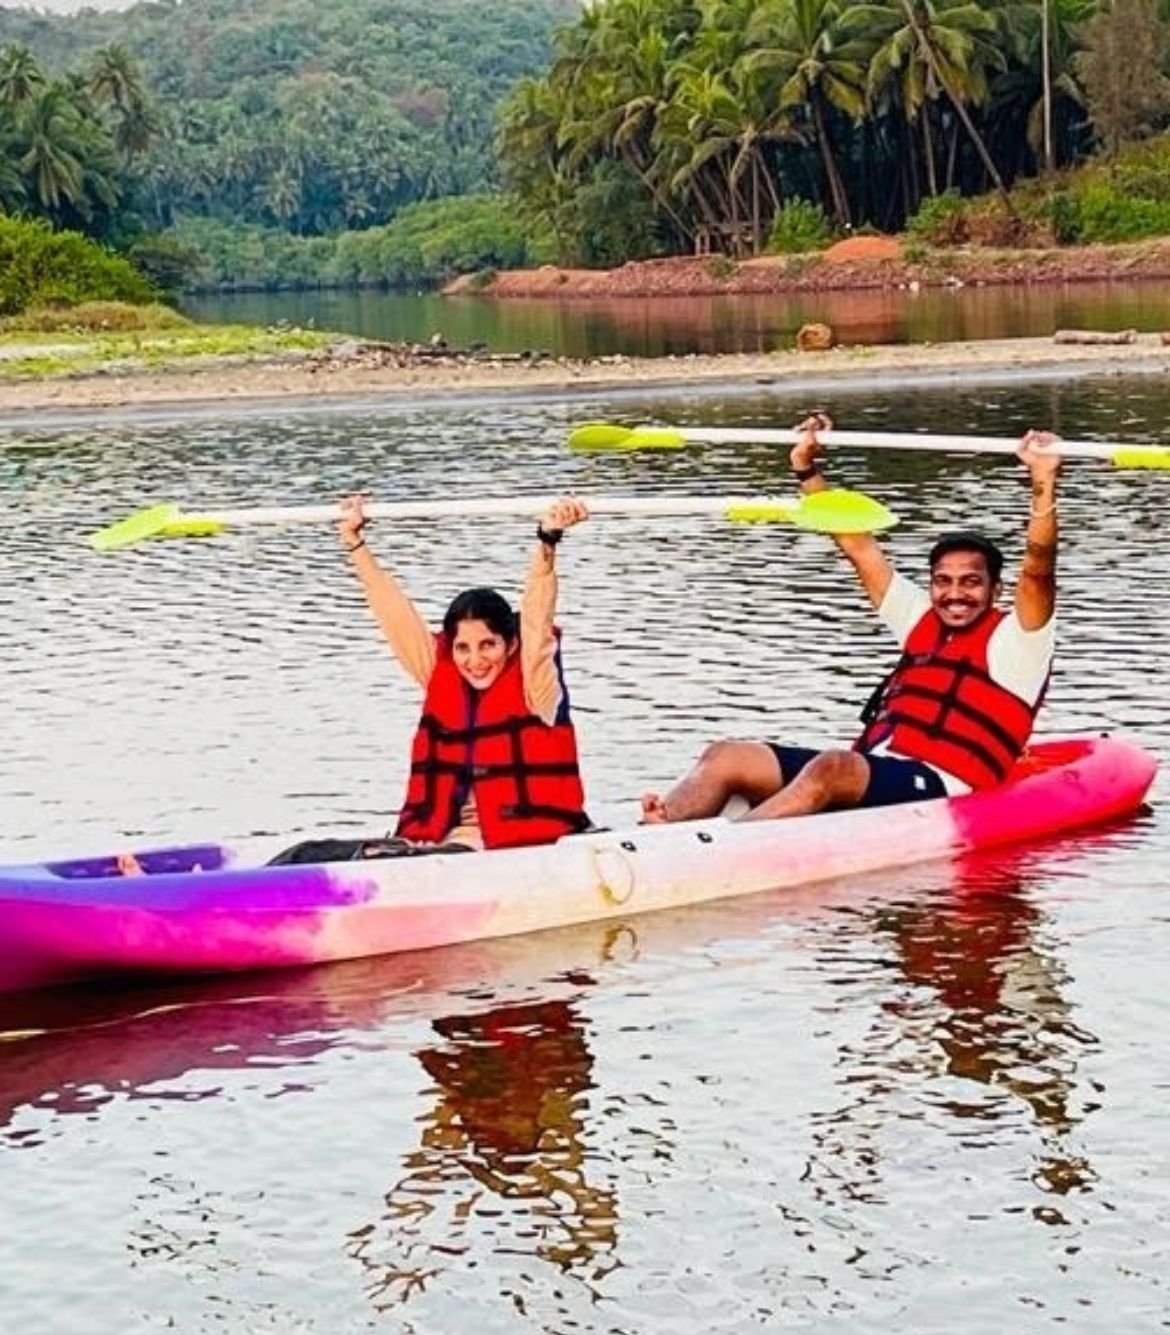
(680, 325)
(924, 1101)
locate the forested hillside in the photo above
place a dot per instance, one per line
(306, 115)
(291, 142)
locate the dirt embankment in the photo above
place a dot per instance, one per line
(857, 263)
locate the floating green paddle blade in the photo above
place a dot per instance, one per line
(840, 511)
(136, 528)
(601, 436)
(192, 526)
(760, 512)
(1146, 457)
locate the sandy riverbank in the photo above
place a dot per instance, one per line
(300, 380)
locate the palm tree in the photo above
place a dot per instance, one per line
(282, 194)
(21, 78)
(1037, 104)
(801, 45)
(113, 78)
(12, 191)
(53, 149)
(933, 48)
(114, 82)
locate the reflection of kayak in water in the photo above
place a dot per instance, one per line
(67, 921)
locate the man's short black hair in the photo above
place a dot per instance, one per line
(967, 540)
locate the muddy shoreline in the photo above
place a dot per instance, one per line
(860, 263)
(293, 382)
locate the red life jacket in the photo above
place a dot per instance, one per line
(940, 705)
(522, 772)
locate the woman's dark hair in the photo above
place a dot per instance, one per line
(485, 605)
(967, 540)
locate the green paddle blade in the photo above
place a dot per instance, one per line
(835, 511)
(841, 511)
(598, 436)
(136, 528)
(1140, 458)
(760, 512)
(192, 526)
(602, 436)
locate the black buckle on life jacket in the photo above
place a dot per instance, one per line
(873, 706)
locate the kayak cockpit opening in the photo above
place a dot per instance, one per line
(153, 862)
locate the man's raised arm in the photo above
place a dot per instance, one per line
(862, 549)
(1036, 590)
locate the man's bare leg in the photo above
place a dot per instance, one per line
(725, 769)
(833, 779)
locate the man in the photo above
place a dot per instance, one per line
(959, 706)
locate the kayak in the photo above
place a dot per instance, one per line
(199, 910)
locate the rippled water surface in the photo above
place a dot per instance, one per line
(933, 1100)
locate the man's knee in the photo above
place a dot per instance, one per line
(733, 759)
(743, 767)
(721, 757)
(842, 775)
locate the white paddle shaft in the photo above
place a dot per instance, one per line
(1078, 449)
(485, 507)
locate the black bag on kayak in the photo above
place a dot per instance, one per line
(358, 850)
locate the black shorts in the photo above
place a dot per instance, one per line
(891, 778)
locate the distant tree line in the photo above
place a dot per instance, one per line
(285, 142)
(663, 125)
(305, 116)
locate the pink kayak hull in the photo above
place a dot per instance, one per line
(71, 921)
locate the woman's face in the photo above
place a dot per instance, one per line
(479, 653)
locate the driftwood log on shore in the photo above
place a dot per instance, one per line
(1112, 338)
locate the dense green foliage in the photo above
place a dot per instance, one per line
(306, 116)
(429, 243)
(724, 111)
(40, 267)
(69, 142)
(425, 245)
(1126, 198)
(799, 226)
(89, 317)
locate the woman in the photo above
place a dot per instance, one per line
(494, 757)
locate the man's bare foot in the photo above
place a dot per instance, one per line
(128, 865)
(653, 810)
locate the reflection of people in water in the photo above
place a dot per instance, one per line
(503, 1146)
(985, 1006)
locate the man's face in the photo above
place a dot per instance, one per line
(961, 589)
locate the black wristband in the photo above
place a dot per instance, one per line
(806, 474)
(549, 536)
(356, 547)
